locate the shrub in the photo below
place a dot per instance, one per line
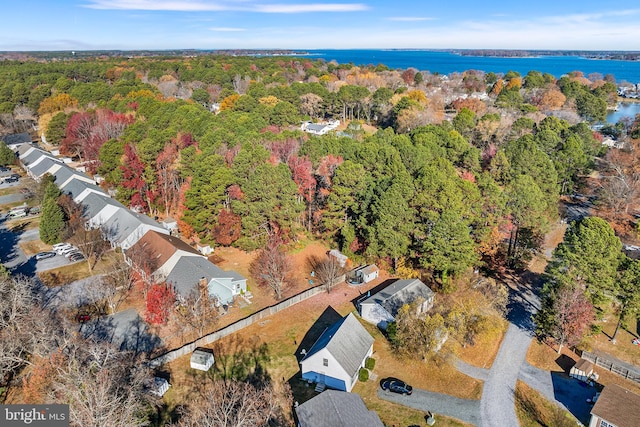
(370, 363)
(363, 375)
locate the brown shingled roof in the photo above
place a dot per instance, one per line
(618, 406)
(158, 248)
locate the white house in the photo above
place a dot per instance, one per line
(202, 359)
(382, 307)
(337, 356)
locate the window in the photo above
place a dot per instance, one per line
(325, 362)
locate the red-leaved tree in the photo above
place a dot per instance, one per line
(574, 314)
(302, 171)
(133, 178)
(272, 266)
(228, 229)
(160, 300)
(87, 132)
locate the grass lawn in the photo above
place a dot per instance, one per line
(533, 410)
(33, 247)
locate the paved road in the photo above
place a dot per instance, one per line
(11, 198)
(466, 410)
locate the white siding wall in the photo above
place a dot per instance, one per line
(333, 368)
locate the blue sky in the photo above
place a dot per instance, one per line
(316, 24)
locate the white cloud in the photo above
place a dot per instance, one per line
(410, 18)
(313, 7)
(207, 6)
(227, 29)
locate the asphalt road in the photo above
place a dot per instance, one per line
(466, 410)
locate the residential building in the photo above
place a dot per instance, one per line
(382, 307)
(337, 356)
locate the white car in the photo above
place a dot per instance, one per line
(66, 251)
(60, 247)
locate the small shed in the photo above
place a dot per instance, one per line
(159, 386)
(340, 257)
(170, 224)
(367, 273)
(205, 250)
(202, 359)
(582, 370)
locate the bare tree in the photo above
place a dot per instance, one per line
(90, 244)
(103, 386)
(620, 183)
(241, 84)
(310, 104)
(25, 327)
(233, 403)
(272, 267)
(327, 269)
(198, 311)
(117, 283)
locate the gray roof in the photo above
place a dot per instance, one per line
(315, 127)
(94, 203)
(347, 341)
(63, 174)
(124, 222)
(76, 187)
(334, 408)
(44, 166)
(189, 269)
(201, 356)
(399, 293)
(16, 138)
(33, 156)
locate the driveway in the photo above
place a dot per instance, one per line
(466, 410)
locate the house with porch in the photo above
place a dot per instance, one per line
(337, 356)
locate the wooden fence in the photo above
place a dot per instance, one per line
(234, 327)
(614, 365)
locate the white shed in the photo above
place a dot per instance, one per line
(582, 370)
(202, 359)
(159, 386)
(367, 273)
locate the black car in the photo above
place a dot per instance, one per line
(396, 386)
(45, 255)
(76, 256)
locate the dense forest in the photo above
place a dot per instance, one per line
(436, 171)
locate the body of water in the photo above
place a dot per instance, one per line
(446, 63)
(625, 109)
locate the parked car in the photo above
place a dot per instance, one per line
(34, 210)
(396, 386)
(82, 318)
(4, 169)
(45, 255)
(69, 249)
(76, 256)
(60, 246)
(11, 179)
